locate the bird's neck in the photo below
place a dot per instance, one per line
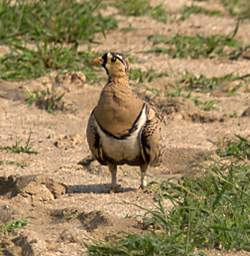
(121, 80)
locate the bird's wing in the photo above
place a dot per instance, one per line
(151, 138)
(93, 139)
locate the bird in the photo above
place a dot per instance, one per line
(122, 128)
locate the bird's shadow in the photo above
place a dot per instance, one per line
(95, 188)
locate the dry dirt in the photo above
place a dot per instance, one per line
(67, 205)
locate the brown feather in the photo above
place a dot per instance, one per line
(117, 108)
(151, 141)
(93, 139)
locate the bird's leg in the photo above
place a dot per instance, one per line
(113, 170)
(143, 173)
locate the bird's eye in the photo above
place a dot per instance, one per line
(113, 59)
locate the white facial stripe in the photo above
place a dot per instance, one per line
(119, 56)
(109, 56)
(122, 60)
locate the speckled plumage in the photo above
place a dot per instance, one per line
(122, 129)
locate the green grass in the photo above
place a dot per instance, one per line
(133, 8)
(187, 11)
(11, 162)
(53, 21)
(233, 114)
(189, 83)
(19, 147)
(128, 28)
(141, 76)
(11, 226)
(213, 210)
(198, 46)
(159, 13)
(238, 8)
(149, 244)
(239, 148)
(178, 91)
(47, 99)
(152, 90)
(52, 30)
(201, 83)
(141, 8)
(210, 211)
(206, 105)
(23, 63)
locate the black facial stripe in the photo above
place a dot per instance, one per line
(117, 55)
(105, 59)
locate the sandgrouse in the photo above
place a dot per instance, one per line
(122, 129)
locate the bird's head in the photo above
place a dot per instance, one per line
(114, 63)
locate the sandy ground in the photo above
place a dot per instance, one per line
(67, 205)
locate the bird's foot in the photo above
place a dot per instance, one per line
(115, 188)
(86, 161)
(143, 185)
(141, 188)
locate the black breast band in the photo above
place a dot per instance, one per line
(130, 130)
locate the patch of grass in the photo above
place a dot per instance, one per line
(149, 244)
(24, 63)
(158, 50)
(206, 105)
(176, 92)
(11, 226)
(18, 147)
(233, 114)
(47, 99)
(189, 82)
(233, 90)
(141, 8)
(159, 13)
(21, 63)
(53, 21)
(133, 8)
(210, 211)
(213, 209)
(187, 11)
(184, 46)
(10, 162)
(128, 28)
(133, 58)
(238, 8)
(201, 83)
(140, 76)
(154, 91)
(239, 148)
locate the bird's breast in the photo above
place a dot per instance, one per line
(124, 149)
(117, 110)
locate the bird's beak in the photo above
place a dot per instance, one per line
(97, 61)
